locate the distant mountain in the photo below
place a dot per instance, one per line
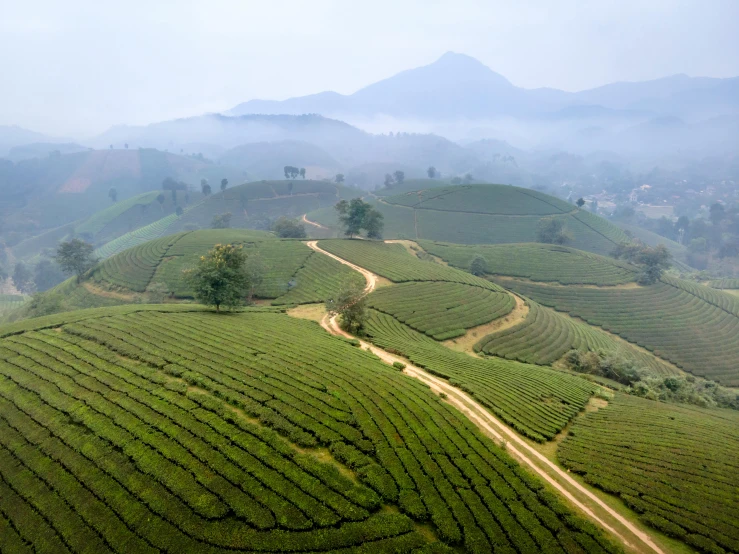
(457, 86)
(12, 136)
(43, 149)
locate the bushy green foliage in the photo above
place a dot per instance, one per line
(653, 260)
(349, 303)
(673, 465)
(289, 228)
(357, 215)
(479, 266)
(552, 230)
(610, 366)
(220, 277)
(221, 221)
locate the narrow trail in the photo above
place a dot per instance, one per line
(309, 222)
(576, 493)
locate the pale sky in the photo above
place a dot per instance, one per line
(76, 67)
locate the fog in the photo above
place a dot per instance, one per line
(74, 69)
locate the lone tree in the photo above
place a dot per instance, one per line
(479, 266)
(205, 187)
(289, 229)
(221, 221)
(580, 202)
(399, 176)
(302, 172)
(349, 304)
(224, 184)
(653, 260)
(161, 199)
(75, 257)
(357, 215)
(431, 172)
(339, 178)
(552, 230)
(389, 180)
(290, 186)
(113, 194)
(220, 277)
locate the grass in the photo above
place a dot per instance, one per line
(673, 465)
(134, 430)
(692, 326)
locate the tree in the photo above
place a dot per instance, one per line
(653, 260)
(75, 257)
(479, 266)
(289, 229)
(717, 213)
(302, 172)
(552, 230)
(221, 221)
(161, 200)
(126, 146)
(205, 188)
(389, 181)
(292, 172)
(174, 196)
(349, 304)
(339, 178)
(224, 184)
(111, 147)
(47, 274)
(468, 177)
(580, 202)
(290, 188)
(220, 277)
(23, 278)
(431, 172)
(399, 176)
(113, 194)
(357, 215)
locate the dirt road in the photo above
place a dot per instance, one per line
(309, 222)
(576, 493)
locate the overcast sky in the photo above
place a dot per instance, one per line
(76, 67)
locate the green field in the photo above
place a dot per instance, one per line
(395, 263)
(482, 214)
(536, 401)
(675, 466)
(724, 284)
(133, 430)
(538, 262)
(9, 302)
(695, 327)
(545, 336)
(441, 310)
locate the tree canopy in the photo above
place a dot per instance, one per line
(654, 260)
(349, 304)
(356, 215)
(220, 277)
(552, 230)
(75, 257)
(289, 228)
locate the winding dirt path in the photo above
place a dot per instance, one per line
(576, 493)
(309, 222)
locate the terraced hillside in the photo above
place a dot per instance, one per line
(441, 310)
(695, 327)
(252, 205)
(133, 430)
(724, 284)
(485, 214)
(538, 402)
(393, 262)
(676, 466)
(10, 302)
(544, 336)
(538, 262)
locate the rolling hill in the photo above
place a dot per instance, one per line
(482, 214)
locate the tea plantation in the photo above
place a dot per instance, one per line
(693, 326)
(675, 466)
(145, 429)
(538, 262)
(442, 310)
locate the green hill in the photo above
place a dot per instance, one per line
(153, 428)
(483, 214)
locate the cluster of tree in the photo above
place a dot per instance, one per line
(29, 279)
(686, 389)
(287, 228)
(226, 277)
(396, 177)
(710, 238)
(431, 172)
(653, 261)
(479, 266)
(349, 304)
(221, 221)
(205, 187)
(468, 178)
(357, 215)
(552, 230)
(292, 172)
